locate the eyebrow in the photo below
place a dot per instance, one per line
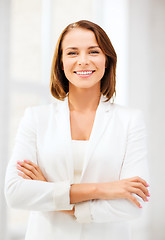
(75, 48)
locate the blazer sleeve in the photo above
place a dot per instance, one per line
(134, 164)
(32, 194)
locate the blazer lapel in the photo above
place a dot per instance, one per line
(65, 135)
(102, 118)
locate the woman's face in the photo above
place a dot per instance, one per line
(82, 59)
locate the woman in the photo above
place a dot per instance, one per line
(79, 164)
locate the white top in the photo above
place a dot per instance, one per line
(79, 150)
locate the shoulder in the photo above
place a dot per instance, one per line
(44, 108)
(129, 116)
(120, 111)
(126, 111)
(42, 112)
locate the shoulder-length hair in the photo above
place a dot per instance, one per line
(59, 84)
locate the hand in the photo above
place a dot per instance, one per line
(69, 212)
(125, 189)
(29, 170)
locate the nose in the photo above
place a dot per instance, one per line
(83, 59)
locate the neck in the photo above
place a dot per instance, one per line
(84, 100)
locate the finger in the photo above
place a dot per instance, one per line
(28, 167)
(23, 175)
(36, 169)
(31, 167)
(140, 180)
(26, 172)
(32, 164)
(141, 187)
(138, 192)
(134, 200)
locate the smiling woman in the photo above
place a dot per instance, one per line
(81, 159)
(83, 47)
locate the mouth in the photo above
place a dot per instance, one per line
(84, 73)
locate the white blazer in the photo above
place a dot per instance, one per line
(116, 150)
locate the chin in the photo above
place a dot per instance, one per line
(85, 86)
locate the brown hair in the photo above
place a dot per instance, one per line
(59, 84)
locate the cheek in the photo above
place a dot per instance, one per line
(102, 64)
(68, 69)
(67, 65)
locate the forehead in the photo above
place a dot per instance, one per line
(79, 37)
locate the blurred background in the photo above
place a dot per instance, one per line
(29, 30)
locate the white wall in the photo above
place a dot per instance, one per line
(4, 107)
(147, 91)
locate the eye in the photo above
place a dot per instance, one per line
(94, 52)
(72, 53)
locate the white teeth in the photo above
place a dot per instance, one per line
(84, 73)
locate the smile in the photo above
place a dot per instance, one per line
(84, 73)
